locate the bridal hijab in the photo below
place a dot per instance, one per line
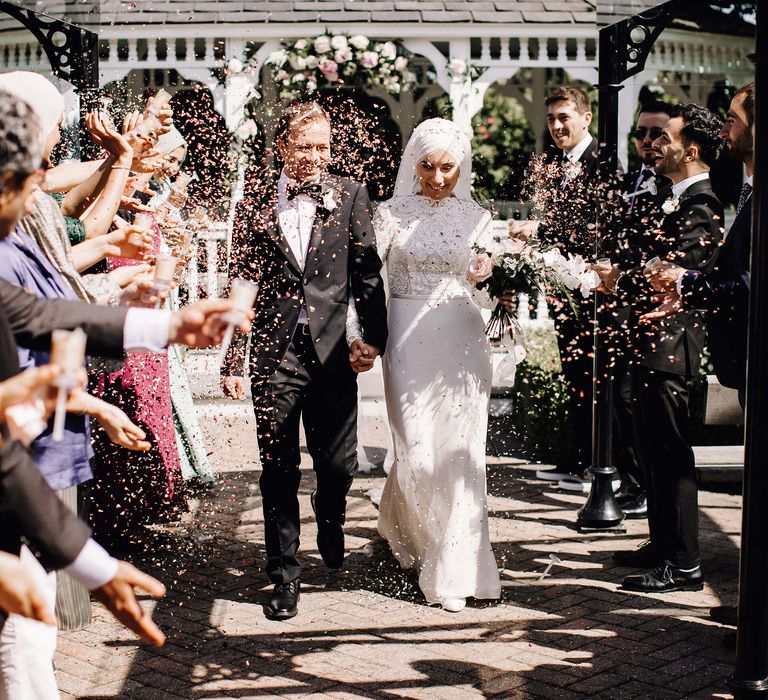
(431, 136)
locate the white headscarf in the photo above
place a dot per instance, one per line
(39, 93)
(429, 137)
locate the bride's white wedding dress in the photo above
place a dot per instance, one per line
(437, 380)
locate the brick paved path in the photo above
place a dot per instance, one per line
(367, 632)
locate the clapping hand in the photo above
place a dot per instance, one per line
(669, 304)
(663, 276)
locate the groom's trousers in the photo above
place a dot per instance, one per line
(324, 399)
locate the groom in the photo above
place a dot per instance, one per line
(308, 240)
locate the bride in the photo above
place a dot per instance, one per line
(437, 372)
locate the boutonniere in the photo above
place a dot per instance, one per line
(328, 200)
(670, 205)
(648, 187)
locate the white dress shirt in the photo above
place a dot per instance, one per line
(296, 217)
(579, 149)
(683, 185)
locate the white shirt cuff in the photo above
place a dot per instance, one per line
(93, 567)
(679, 283)
(146, 330)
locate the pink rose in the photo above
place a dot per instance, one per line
(369, 59)
(328, 68)
(513, 246)
(481, 268)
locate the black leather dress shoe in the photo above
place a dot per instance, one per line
(283, 605)
(665, 578)
(626, 492)
(724, 614)
(636, 509)
(645, 556)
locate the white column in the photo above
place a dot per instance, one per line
(236, 92)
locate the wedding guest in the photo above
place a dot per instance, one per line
(639, 187)
(723, 294)
(571, 229)
(668, 353)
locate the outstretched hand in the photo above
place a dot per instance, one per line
(201, 325)
(119, 597)
(669, 304)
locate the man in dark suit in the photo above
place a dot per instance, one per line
(668, 353)
(570, 225)
(309, 241)
(638, 188)
(723, 294)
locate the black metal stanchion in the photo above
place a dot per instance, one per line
(601, 512)
(750, 678)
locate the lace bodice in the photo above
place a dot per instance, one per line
(427, 247)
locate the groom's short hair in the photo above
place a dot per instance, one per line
(569, 93)
(299, 114)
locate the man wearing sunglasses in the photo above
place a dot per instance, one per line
(640, 186)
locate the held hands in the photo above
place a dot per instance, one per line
(522, 229)
(663, 276)
(362, 356)
(18, 593)
(200, 325)
(119, 597)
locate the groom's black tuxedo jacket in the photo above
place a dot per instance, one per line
(341, 257)
(689, 236)
(724, 297)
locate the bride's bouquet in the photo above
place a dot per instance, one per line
(524, 266)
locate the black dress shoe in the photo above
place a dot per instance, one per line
(724, 614)
(635, 509)
(665, 578)
(283, 605)
(645, 556)
(626, 492)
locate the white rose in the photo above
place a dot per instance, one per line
(281, 76)
(298, 78)
(323, 44)
(311, 86)
(234, 66)
(339, 42)
(343, 55)
(409, 77)
(297, 62)
(301, 44)
(312, 62)
(401, 63)
(388, 50)
(457, 66)
(369, 59)
(278, 58)
(359, 41)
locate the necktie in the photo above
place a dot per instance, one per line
(746, 193)
(311, 189)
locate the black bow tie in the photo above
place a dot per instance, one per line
(311, 189)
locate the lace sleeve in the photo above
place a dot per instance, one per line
(384, 227)
(482, 236)
(354, 330)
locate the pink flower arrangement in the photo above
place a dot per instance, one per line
(480, 268)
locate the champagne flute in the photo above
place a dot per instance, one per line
(159, 100)
(68, 353)
(165, 269)
(144, 223)
(242, 294)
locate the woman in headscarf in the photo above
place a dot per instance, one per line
(437, 371)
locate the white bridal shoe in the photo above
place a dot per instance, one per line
(454, 604)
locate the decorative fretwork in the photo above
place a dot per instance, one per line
(71, 50)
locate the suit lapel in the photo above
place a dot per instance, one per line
(274, 231)
(321, 226)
